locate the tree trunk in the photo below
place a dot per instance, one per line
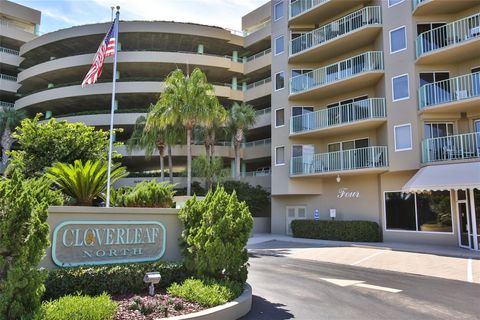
(212, 145)
(161, 151)
(189, 161)
(237, 141)
(6, 142)
(170, 165)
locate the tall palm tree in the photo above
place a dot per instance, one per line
(173, 136)
(9, 119)
(149, 139)
(188, 101)
(240, 118)
(208, 133)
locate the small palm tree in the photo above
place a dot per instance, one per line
(187, 101)
(212, 169)
(9, 119)
(148, 140)
(240, 118)
(84, 182)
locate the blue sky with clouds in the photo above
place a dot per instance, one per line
(58, 14)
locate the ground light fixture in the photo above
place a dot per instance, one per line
(338, 178)
(152, 278)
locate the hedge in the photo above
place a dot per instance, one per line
(363, 231)
(112, 279)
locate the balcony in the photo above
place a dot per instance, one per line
(356, 116)
(451, 148)
(453, 42)
(366, 160)
(344, 76)
(303, 12)
(4, 104)
(459, 94)
(355, 30)
(437, 7)
(8, 83)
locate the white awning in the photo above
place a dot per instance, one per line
(445, 177)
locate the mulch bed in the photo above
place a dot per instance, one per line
(145, 307)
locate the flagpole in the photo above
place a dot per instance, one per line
(110, 147)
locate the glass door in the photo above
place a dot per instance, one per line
(467, 220)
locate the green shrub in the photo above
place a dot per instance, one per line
(79, 308)
(209, 293)
(150, 194)
(197, 189)
(257, 198)
(113, 279)
(364, 231)
(23, 239)
(215, 236)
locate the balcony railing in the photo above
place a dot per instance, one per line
(448, 35)
(263, 112)
(257, 143)
(6, 104)
(259, 83)
(13, 24)
(365, 62)
(256, 28)
(450, 90)
(259, 55)
(373, 108)
(416, 3)
(457, 147)
(298, 7)
(354, 159)
(336, 29)
(9, 51)
(7, 77)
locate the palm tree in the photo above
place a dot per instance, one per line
(9, 119)
(240, 118)
(208, 133)
(188, 101)
(173, 136)
(149, 139)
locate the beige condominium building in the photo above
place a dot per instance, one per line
(236, 63)
(376, 110)
(367, 110)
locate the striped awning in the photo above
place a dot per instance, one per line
(453, 176)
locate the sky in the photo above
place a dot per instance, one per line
(59, 14)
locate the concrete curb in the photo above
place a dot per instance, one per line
(229, 311)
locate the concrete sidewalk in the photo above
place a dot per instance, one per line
(436, 261)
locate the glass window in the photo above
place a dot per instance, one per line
(400, 88)
(391, 3)
(278, 10)
(279, 155)
(279, 117)
(279, 80)
(279, 45)
(398, 40)
(400, 211)
(434, 211)
(403, 137)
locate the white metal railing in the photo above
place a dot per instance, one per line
(456, 147)
(257, 143)
(263, 112)
(259, 55)
(354, 159)
(449, 90)
(338, 28)
(448, 35)
(258, 173)
(7, 77)
(373, 108)
(6, 104)
(259, 83)
(256, 28)
(12, 24)
(365, 62)
(298, 7)
(9, 51)
(416, 3)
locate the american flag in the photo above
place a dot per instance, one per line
(106, 49)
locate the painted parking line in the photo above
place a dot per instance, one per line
(469, 270)
(359, 283)
(370, 286)
(368, 257)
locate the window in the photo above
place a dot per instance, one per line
(279, 80)
(398, 40)
(437, 129)
(392, 3)
(403, 137)
(400, 90)
(425, 212)
(279, 45)
(278, 10)
(279, 156)
(279, 118)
